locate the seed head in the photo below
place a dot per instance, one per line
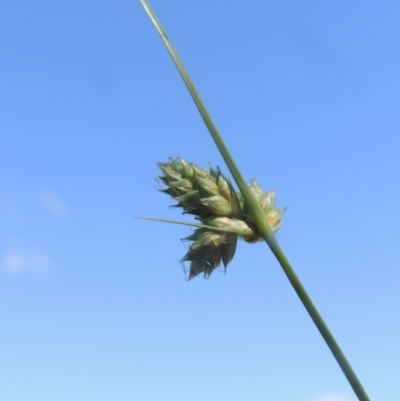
(211, 198)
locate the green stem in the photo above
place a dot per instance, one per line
(258, 215)
(321, 325)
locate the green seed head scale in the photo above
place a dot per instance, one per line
(207, 187)
(274, 218)
(228, 252)
(209, 239)
(217, 205)
(181, 186)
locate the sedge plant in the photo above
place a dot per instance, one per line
(225, 215)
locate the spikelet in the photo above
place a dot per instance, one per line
(267, 202)
(208, 250)
(198, 192)
(210, 197)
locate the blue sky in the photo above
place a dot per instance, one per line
(93, 303)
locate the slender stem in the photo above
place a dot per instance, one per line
(258, 215)
(321, 325)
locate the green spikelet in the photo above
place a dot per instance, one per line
(198, 192)
(208, 250)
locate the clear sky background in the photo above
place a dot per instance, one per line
(93, 303)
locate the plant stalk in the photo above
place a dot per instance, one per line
(258, 215)
(321, 325)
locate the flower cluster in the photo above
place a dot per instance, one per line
(224, 216)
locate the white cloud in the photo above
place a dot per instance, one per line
(17, 261)
(53, 204)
